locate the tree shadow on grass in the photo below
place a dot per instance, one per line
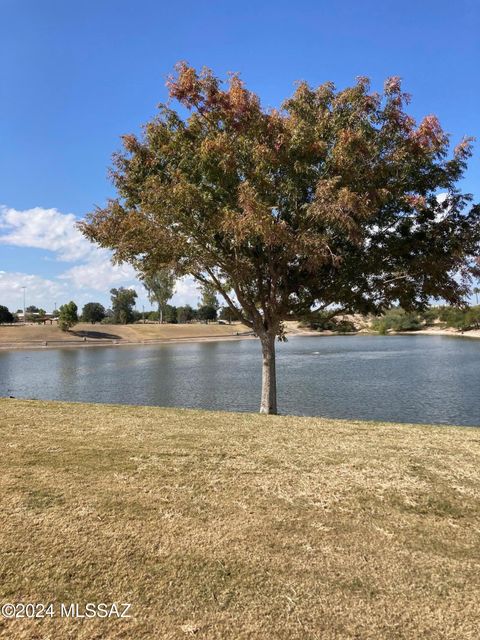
(96, 335)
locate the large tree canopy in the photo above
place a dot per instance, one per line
(330, 200)
(93, 312)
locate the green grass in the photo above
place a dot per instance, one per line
(230, 526)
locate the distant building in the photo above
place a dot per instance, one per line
(36, 318)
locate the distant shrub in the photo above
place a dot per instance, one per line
(345, 326)
(461, 319)
(430, 315)
(397, 320)
(324, 321)
(473, 317)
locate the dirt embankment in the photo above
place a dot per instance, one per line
(87, 335)
(83, 334)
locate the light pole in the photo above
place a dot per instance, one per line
(24, 316)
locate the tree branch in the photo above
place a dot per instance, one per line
(218, 285)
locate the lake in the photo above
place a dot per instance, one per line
(395, 378)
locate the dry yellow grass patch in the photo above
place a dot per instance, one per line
(230, 526)
(24, 334)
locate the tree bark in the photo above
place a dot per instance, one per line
(268, 403)
(160, 314)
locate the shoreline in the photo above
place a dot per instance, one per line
(36, 345)
(474, 333)
(80, 344)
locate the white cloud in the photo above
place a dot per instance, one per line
(44, 229)
(441, 197)
(99, 274)
(186, 292)
(91, 275)
(41, 292)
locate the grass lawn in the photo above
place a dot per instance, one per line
(230, 526)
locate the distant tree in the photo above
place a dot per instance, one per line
(227, 314)
(93, 312)
(55, 313)
(68, 316)
(123, 301)
(170, 314)
(160, 286)
(206, 313)
(330, 200)
(5, 315)
(137, 316)
(32, 309)
(185, 314)
(209, 297)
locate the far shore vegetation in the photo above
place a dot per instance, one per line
(397, 319)
(210, 320)
(219, 525)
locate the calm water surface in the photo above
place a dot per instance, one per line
(401, 378)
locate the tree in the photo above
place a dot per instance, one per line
(209, 297)
(93, 312)
(227, 314)
(207, 312)
(329, 201)
(68, 316)
(170, 314)
(185, 314)
(161, 287)
(207, 309)
(123, 301)
(5, 315)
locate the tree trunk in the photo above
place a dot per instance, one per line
(160, 314)
(269, 379)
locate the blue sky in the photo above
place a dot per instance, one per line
(74, 76)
